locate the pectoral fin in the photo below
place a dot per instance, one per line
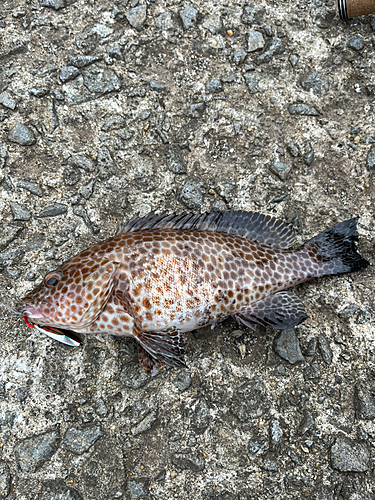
(282, 310)
(167, 346)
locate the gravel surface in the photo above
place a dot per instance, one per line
(113, 108)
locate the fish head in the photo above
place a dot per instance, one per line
(72, 296)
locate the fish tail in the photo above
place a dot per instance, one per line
(335, 249)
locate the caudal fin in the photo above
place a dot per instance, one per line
(336, 249)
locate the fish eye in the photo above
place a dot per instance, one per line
(52, 279)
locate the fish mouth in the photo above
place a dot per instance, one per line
(32, 313)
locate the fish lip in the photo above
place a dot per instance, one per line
(31, 312)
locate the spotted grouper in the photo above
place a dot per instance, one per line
(163, 275)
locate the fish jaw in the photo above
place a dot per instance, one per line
(33, 314)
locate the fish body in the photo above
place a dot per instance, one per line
(163, 275)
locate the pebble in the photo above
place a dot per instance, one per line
(364, 402)
(115, 52)
(282, 170)
(7, 100)
(19, 212)
(309, 158)
(22, 135)
(175, 162)
(293, 149)
(145, 424)
(138, 488)
(307, 423)
(189, 17)
(22, 393)
(165, 21)
(255, 41)
(239, 55)
(275, 48)
(325, 349)
(31, 187)
(214, 85)
(287, 346)
(8, 233)
(80, 211)
(80, 440)
(83, 162)
(252, 14)
(196, 110)
(156, 86)
(276, 434)
(53, 210)
(54, 4)
(80, 61)
(101, 80)
(312, 372)
(32, 452)
(5, 479)
(293, 59)
(316, 82)
(183, 461)
(87, 189)
(302, 110)
(199, 416)
(191, 194)
(249, 401)
(213, 24)
(348, 455)
(68, 73)
(38, 91)
(3, 154)
(137, 16)
(182, 381)
(137, 92)
(105, 163)
(133, 377)
(114, 122)
(370, 162)
(56, 489)
(356, 43)
(252, 81)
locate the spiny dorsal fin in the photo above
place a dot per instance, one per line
(264, 229)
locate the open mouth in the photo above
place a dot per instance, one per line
(31, 313)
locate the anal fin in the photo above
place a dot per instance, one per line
(167, 346)
(282, 310)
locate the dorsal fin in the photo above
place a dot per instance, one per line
(264, 229)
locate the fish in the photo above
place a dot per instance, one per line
(163, 275)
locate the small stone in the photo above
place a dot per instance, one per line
(249, 401)
(145, 424)
(311, 347)
(309, 158)
(213, 24)
(83, 162)
(115, 52)
(101, 80)
(7, 100)
(138, 488)
(22, 393)
(137, 16)
(255, 41)
(270, 463)
(200, 416)
(188, 17)
(239, 56)
(282, 170)
(182, 381)
(252, 82)
(80, 61)
(276, 434)
(5, 479)
(68, 73)
(348, 455)
(364, 403)
(316, 82)
(307, 424)
(214, 85)
(196, 110)
(19, 212)
(105, 163)
(302, 110)
(38, 91)
(287, 346)
(31, 187)
(312, 372)
(325, 349)
(293, 149)
(53, 210)
(22, 135)
(275, 48)
(87, 189)
(182, 461)
(371, 158)
(8, 233)
(156, 86)
(252, 14)
(293, 59)
(175, 162)
(133, 376)
(56, 489)
(191, 194)
(137, 92)
(79, 440)
(3, 155)
(32, 452)
(54, 4)
(356, 43)
(114, 122)
(165, 21)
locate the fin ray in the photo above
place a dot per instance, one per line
(167, 346)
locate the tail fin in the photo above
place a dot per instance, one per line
(336, 249)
